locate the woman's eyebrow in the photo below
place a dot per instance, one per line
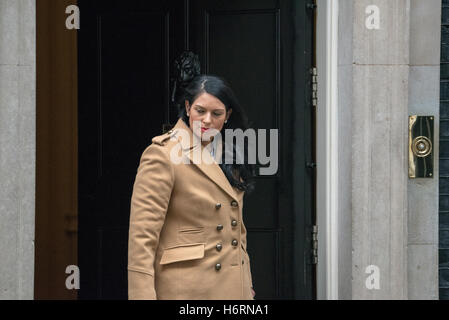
(218, 109)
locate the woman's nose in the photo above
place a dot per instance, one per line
(207, 118)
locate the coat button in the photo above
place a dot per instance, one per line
(218, 266)
(220, 227)
(243, 261)
(235, 243)
(218, 206)
(234, 223)
(219, 247)
(234, 203)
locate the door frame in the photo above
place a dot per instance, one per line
(56, 196)
(327, 149)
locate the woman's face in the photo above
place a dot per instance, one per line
(206, 112)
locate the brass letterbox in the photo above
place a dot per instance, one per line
(420, 146)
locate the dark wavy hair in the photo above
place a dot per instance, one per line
(220, 88)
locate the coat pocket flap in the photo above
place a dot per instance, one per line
(182, 253)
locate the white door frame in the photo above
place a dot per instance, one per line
(327, 149)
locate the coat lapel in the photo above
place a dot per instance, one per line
(201, 158)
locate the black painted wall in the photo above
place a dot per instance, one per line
(444, 157)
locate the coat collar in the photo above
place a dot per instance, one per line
(192, 147)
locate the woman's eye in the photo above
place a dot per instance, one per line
(217, 114)
(200, 111)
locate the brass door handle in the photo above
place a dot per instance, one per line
(420, 146)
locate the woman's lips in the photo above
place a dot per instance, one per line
(204, 129)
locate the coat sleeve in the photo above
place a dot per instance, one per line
(249, 267)
(244, 232)
(149, 203)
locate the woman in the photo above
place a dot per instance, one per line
(187, 239)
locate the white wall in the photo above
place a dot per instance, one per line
(383, 219)
(423, 97)
(17, 147)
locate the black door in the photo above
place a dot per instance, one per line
(126, 52)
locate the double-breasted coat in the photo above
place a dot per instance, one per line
(187, 239)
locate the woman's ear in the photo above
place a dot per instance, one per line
(186, 102)
(228, 114)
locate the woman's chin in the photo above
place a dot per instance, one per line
(205, 136)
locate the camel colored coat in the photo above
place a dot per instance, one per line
(187, 239)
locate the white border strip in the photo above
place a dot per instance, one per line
(327, 149)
